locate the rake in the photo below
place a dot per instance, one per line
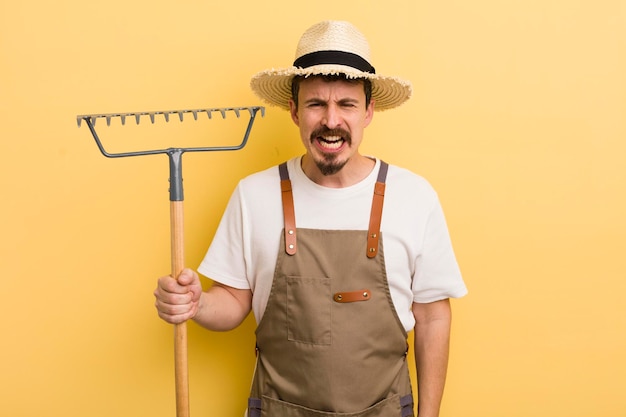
(176, 207)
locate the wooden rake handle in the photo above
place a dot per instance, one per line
(177, 226)
(180, 330)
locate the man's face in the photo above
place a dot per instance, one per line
(332, 117)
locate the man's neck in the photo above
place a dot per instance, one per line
(353, 172)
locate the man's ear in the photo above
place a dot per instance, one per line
(293, 111)
(369, 112)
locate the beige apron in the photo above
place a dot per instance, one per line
(330, 342)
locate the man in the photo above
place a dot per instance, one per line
(335, 281)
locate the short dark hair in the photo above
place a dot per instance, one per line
(367, 85)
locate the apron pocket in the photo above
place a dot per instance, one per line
(389, 407)
(308, 310)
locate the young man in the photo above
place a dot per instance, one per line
(338, 254)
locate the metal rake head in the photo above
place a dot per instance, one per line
(90, 120)
(174, 153)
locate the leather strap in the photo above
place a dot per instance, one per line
(352, 296)
(288, 210)
(373, 233)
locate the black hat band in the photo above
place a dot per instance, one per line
(334, 57)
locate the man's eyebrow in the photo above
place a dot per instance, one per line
(347, 100)
(341, 101)
(315, 100)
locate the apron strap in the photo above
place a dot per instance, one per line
(288, 210)
(254, 407)
(406, 404)
(373, 233)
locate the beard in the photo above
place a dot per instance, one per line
(329, 164)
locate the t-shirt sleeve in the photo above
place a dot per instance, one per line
(437, 274)
(224, 261)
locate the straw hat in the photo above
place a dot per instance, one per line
(330, 48)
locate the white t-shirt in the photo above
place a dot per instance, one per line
(420, 262)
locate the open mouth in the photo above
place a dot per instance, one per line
(330, 140)
(331, 143)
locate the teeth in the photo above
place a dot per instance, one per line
(331, 142)
(334, 145)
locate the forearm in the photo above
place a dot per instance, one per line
(432, 341)
(222, 308)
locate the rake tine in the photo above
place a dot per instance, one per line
(93, 118)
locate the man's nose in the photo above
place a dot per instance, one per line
(331, 118)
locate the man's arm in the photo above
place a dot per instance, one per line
(432, 341)
(223, 308)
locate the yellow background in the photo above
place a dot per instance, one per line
(517, 119)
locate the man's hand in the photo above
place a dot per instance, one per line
(177, 300)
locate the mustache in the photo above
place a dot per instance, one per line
(324, 131)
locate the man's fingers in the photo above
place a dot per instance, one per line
(186, 277)
(174, 313)
(175, 295)
(170, 285)
(172, 309)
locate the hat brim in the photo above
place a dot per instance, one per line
(274, 85)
